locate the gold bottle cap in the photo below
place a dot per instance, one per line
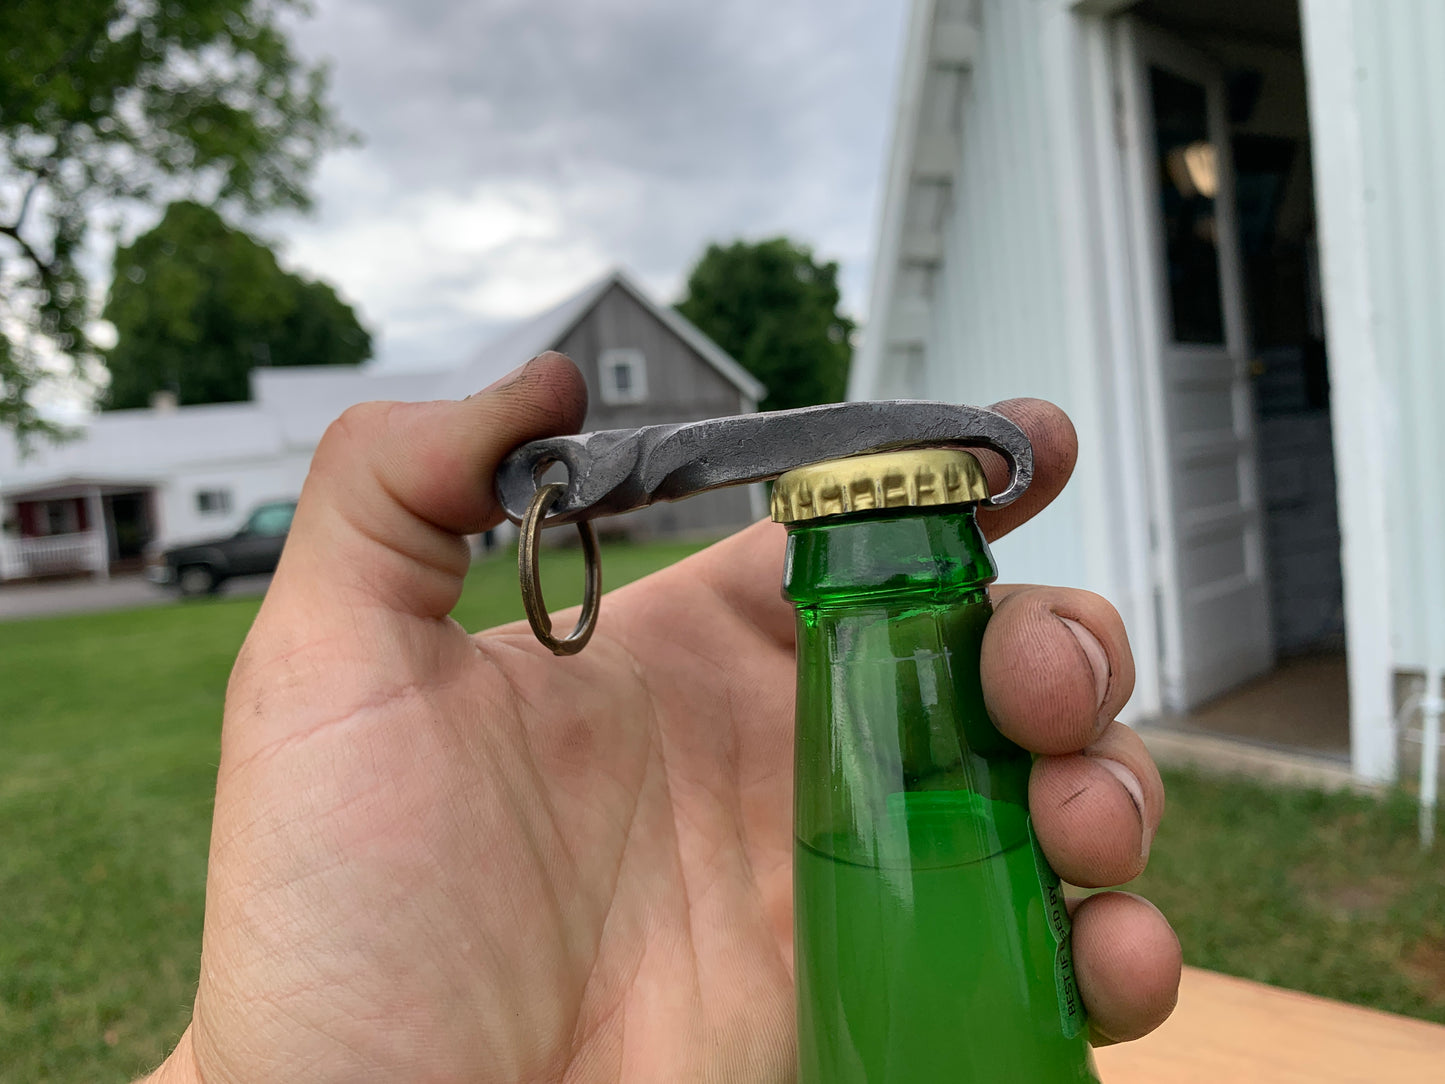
(911, 478)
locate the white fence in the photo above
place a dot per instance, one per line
(79, 551)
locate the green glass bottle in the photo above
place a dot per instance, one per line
(931, 936)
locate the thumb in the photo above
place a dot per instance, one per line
(393, 487)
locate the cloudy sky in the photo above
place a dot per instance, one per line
(514, 149)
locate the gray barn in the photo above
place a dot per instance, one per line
(645, 364)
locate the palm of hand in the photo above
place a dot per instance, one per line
(445, 857)
(625, 813)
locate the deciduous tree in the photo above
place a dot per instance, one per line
(108, 105)
(774, 308)
(197, 305)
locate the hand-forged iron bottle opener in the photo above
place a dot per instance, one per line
(618, 470)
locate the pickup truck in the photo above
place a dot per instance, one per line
(199, 568)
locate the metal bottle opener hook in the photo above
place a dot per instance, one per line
(618, 470)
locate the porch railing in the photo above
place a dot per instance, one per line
(79, 551)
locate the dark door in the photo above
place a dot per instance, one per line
(130, 516)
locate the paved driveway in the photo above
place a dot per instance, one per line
(93, 596)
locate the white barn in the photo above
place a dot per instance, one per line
(1212, 231)
(134, 478)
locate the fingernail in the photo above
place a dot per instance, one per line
(1098, 660)
(510, 378)
(1131, 783)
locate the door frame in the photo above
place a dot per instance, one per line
(1137, 46)
(1337, 114)
(1330, 44)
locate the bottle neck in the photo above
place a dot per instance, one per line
(892, 608)
(842, 560)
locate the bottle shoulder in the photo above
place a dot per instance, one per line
(932, 555)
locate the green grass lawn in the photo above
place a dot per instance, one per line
(109, 735)
(108, 745)
(1328, 893)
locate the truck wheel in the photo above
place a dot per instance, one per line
(196, 580)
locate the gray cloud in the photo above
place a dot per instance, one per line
(514, 149)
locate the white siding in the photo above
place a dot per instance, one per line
(1011, 304)
(1401, 86)
(1000, 315)
(249, 483)
(1377, 105)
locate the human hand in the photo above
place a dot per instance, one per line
(442, 856)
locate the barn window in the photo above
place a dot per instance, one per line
(624, 376)
(213, 501)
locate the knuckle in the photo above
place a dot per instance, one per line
(355, 429)
(1090, 605)
(361, 421)
(1097, 602)
(1109, 613)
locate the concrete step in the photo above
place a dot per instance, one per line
(1206, 752)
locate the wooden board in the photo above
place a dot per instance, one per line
(1228, 1029)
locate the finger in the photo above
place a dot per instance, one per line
(1056, 447)
(1056, 666)
(1128, 962)
(1096, 812)
(394, 486)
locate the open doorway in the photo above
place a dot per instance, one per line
(130, 527)
(1250, 593)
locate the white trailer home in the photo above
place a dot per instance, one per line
(1212, 231)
